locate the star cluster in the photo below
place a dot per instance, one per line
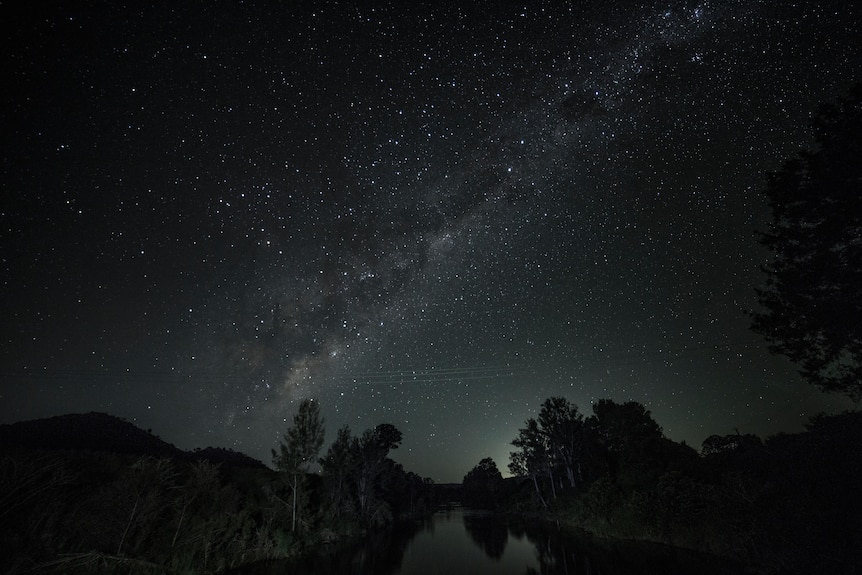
(434, 216)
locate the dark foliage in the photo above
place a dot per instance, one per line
(74, 498)
(483, 486)
(788, 504)
(102, 512)
(812, 301)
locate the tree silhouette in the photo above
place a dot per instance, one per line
(482, 485)
(337, 465)
(299, 449)
(372, 451)
(625, 425)
(629, 436)
(811, 305)
(563, 425)
(533, 455)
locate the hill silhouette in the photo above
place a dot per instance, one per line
(229, 457)
(96, 431)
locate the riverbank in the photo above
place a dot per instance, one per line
(788, 505)
(456, 541)
(94, 494)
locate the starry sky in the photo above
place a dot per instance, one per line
(433, 216)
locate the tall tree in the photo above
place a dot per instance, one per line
(629, 436)
(811, 305)
(624, 426)
(533, 456)
(299, 448)
(337, 466)
(482, 485)
(563, 425)
(371, 451)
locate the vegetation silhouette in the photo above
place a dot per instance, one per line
(95, 494)
(787, 504)
(298, 450)
(811, 304)
(482, 485)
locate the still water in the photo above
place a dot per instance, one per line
(462, 541)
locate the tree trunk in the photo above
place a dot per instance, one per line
(538, 491)
(570, 472)
(553, 487)
(293, 522)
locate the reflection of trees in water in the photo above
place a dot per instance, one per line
(382, 552)
(488, 533)
(557, 552)
(560, 553)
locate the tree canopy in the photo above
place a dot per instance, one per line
(811, 304)
(299, 449)
(482, 485)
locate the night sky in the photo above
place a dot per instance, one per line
(431, 216)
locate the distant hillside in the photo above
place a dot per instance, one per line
(219, 455)
(102, 432)
(88, 431)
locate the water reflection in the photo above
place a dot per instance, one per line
(457, 542)
(381, 552)
(488, 532)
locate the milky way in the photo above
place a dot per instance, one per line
(433, 217)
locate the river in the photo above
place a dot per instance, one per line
(463, 541)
